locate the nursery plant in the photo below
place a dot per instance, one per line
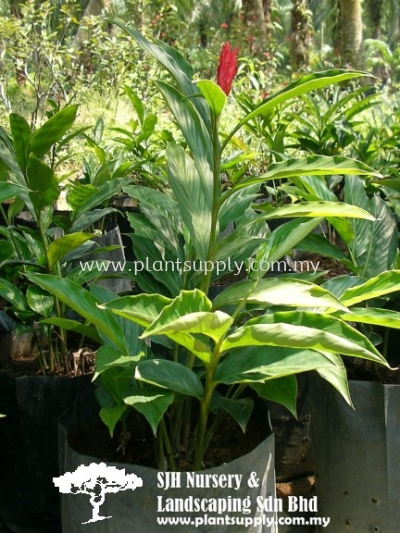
(193, 358)
(30, 162)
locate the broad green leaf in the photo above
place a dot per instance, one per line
(152, 402)
(374, 245)
(111, 416)
(278, 291)
(196, 135)
(315, 165)
(234, 206)
(314, 209)
(104, 194)
(195, 205)
(39, 300)
(10, 190)
(64, 245)
(142, 308)
(42, 183)
(300, 329)
(318, 244)
(176, 64)
(7, 157)
(73, 325)
(130, 330)
(79, 194)
(182, 306)
(304, 85)
(385, 283)
(170, 375)
(337, 286)
(239, 409)
(90, 218)
(258, 363)
(21, 134)
(214, 95)
(84, 303)
(12, 294)
(283, 240)
(336, 375)
(214, 325)
(280, 390)
(372, 315)
(52, 130)
(108, 356)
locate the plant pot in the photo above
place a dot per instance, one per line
(357, 457)
(29, 444)
(140, 508)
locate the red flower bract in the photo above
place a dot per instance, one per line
(227, 67)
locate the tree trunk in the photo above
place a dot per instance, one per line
(93, 9)
(351, 33)
(267, 8)
(301, 39)
(374, 11)
(259, 20)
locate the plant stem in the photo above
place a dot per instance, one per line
(56, 300)
(169, 454)
(205, 284)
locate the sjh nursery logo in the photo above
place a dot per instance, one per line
(97, 480)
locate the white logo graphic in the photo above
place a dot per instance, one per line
(97, 480)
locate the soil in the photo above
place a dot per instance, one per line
(227, 444)
(30, 366)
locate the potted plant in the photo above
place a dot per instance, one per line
(357, 472)
(181, 360)
(34, 399)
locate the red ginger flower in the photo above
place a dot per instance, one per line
(227, 67)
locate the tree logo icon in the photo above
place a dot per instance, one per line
(97, 480)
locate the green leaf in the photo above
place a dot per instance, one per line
(10, 190)
(39, 300)
(52, 130)
(152, 402)
(385, 283)
(108, 356)
(21, 133)
(318, 244)
(178, 311)
(336, 375)
(142, 308)
(111, 416)
(74, 325)
(194, 131)
(372, 315)
(300, 329)
(12, 294)
(258, 363)
(195, 203)
(79, 194)
(374, 245)
(43, 184)
(283, 240)
(278, 291)
(214, 325)
(104, 194)
(64, 245)
(313, 209)
(315, 165)
(214, 95)
(239, 409)
(170, 375)
(281, 390)
(84, 303)
(308, 83)
(90, 218)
